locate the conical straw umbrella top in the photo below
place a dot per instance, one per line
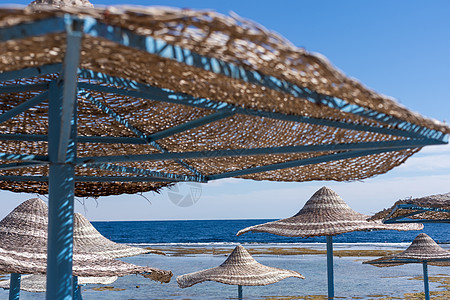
(88, 239)
(325, 213)
(240, 268)
(422, 249)
(37, 283)
(26, 227)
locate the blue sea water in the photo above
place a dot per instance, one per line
(224, 231)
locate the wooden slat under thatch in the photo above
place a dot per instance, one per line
(439, 202)
(240, 268)
(325, 213)
(422, 249)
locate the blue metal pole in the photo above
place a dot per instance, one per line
(239, 291)
(425, 280)
(76, 289)
(14, 286)
(61, 201)
(330, 267)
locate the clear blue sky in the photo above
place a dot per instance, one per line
(398, 48)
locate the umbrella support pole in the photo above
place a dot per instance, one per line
(425, 280)
(76, 289)
(239, 291)
(330, 267)
(61, 187)
(14, 286)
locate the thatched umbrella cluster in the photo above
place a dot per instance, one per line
(325, 214)
(422, 250)
(240, 269)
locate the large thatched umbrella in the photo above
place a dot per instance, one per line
(428, 209)
(240, 269)
(325, 214)
(422, 250)
(108, 101)
(23, 248)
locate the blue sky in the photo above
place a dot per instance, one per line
(398, 48)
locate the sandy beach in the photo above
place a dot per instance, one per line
(353, 280)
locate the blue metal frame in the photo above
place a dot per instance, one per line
(416, 209)
(23, 107)
(132, 88)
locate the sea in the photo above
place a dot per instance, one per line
(353, 280)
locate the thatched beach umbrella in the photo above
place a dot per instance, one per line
(428, 209)
(107, 101)
(23, 248)
(240, 269)
(325, 214)
(422, 250)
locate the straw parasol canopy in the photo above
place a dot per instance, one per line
(325, 214)
(240, 268)
(87, 238)
(36, 283)
(432, 208)
(422, 249)
(168, 95)
(23, 248)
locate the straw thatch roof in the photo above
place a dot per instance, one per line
(325, 213)
(240, 268)
(422, 249)
(23, 248)
(437, 202)
(272, 94)
(87, 238)
(62, 3)
(37, 283)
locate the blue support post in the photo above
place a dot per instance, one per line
(425, 280)
(14, 286)
(76, 289)
(61, 200)
(239, 291)
(330, 267)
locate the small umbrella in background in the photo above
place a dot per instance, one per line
(325, 214)
(422, 250)
(23, 248)
(240, 269)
